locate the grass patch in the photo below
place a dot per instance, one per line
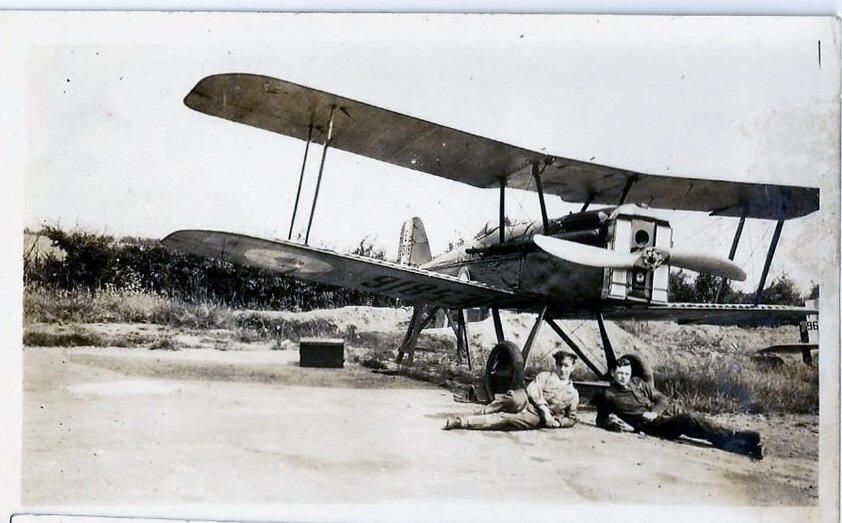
(278, 328)
(80, 336)
(74, 338)
(733, 385)
(248, 336)
(80, 306)
(194, 316)
(164, 343)
(42, 305)
(373, 363)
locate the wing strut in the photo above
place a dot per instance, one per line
(769, 255)
(536, 329)
(631, 181)
(734, 243)
(422, 315)
(502, 210)
(537, 175)
(498, 324)
(456, 318)
(300, 180)
(587, 203)
(321, 169)
(607, 348)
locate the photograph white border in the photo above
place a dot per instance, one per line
(11, 383)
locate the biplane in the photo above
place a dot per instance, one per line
(605, 263)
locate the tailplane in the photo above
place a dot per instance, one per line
(414, 249)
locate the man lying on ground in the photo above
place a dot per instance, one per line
(549, 401)
(631, 404)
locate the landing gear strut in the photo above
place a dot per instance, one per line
(422, 316)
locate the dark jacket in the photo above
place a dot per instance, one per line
(629, 403)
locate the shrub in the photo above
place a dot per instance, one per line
(705, 287)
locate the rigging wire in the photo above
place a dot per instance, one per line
(754, 245)
(448, 209)
(519, 201)
(580, 325)
(717, 229)
(592, 351)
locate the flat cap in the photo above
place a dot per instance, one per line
(564, 353)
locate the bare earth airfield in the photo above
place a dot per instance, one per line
(226, 421)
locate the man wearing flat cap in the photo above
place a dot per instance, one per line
(549, 401)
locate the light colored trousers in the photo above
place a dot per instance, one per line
(509, 411)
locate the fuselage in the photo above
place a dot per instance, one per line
(517, 264)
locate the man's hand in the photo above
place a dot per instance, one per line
(549, 420)
(566, 423)
(616, 423)
(649, 416)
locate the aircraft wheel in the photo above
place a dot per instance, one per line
(504, 369)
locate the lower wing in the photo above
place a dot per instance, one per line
(712, 313)
(343, 270)
(794, 348)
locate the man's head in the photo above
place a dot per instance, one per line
(564, 363)
(622, 372)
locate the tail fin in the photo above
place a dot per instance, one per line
(414, 248)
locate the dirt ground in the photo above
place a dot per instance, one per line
(117, 426)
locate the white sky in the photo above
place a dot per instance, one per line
(110, 146)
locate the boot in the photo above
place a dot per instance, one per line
(749, 436)
(756, 451)
(752, 446)
(746, 443)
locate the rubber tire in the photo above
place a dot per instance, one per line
(641, 368)
(504, 369)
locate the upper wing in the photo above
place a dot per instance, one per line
(360, 128)
(712, 313)
(344, 270)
